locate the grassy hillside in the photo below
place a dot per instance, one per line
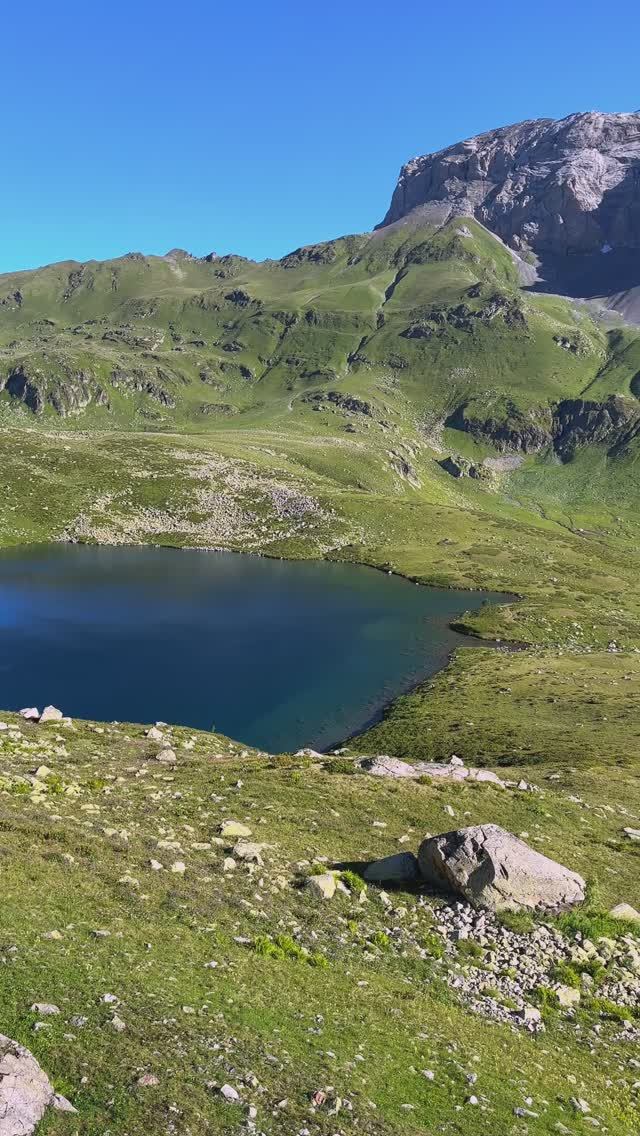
(395, 399)
(178, 967)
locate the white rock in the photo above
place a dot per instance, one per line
(25, 1090)
(51, 714)
(322, 886)
(229, 1093)
(625, 911)
(30, 714)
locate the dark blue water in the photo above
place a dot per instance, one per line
(278, 654)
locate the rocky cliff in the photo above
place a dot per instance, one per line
(563, 195)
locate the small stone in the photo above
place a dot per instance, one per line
(580, 1105)
(52, 935)
(155, 865)
(154, 734)
(117, 1024)
(148, 1080)
(229, 1093)
(178, 867)
(44, 1009)
(61, 1104)
(229, 864)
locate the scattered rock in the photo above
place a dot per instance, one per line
(383, 766)
(567, 996)
(248, 851)
(491, 868)
(625, 911)
(51, 714)
(147, 1080)
(229, 1093)
(166, 756)
(154, 734)
(234, 828)
(44, 1009)
(322, 886)
(30, 714)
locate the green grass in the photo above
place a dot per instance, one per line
(237, 381)
(302, 990)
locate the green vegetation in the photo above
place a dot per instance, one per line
(393, 399)
(240, 977)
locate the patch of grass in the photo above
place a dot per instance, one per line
(595, 924)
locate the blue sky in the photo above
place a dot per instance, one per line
(258, 126)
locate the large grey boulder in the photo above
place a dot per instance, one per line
(489, 867)
(25, 1091)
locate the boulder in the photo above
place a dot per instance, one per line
(383, 766)
(250, 852)
(489, 867)
(167, 756)
(30, 714)
(450, 772)
(25, 1091)
(625, 911)
(486, 775)
(568, 996)
(322, 886)
(401, 868)
(234, 828)
(51, 714)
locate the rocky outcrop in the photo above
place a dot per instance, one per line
(489, 867)
(346, 402)
(564, 192)
(25, 1091)
(452, 770)
(565, 426)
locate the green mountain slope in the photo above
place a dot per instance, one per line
(397, 399)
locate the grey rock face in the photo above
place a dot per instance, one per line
(567, 191)
(491, 868)
(25, 1091)
(383, 766)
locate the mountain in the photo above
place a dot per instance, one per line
(565, 196)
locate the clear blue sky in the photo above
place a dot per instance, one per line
(255, 126)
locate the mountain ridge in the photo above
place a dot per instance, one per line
(563, 194)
